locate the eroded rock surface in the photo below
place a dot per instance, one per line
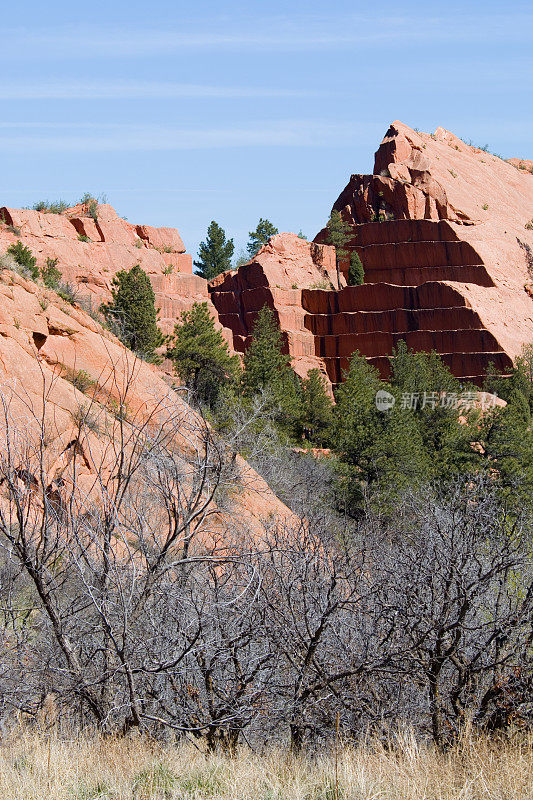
(64, 383)
(275, 277)
(92, 247)
(442, 230)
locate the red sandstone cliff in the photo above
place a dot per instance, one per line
(91, 251)
(275, 277)
(441, 229)
(48, 350)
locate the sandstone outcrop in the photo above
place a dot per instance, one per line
(444, 231)
(56, 363)
(441, 229)
(445, 234)
(522, 163)
(276, 277)
(92, 243)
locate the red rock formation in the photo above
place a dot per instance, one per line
(91, 251)
(44, 343)
(521, 163)
(276, 277)
(441, 229)
(444, 231)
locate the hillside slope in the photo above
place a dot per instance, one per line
(65, 385)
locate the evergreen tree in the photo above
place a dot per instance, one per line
(358, 423)
(25, 258)
(356, 273)
(200, 354)
(267, 369)
(382, 449)
(264, 231)
(132, 312)
(317, 404)
(506, 438)
(215, 254)
(446, 427)
(339, 234)
(50, 274)
(520, 380)
(264, 359)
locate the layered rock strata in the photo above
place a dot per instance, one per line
(442, 231)
(275, 277)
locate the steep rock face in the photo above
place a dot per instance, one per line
(437, 215)
(275, 277)
(48, 350)
(90, 251)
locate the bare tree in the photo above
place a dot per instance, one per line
(456, 590)
(108, 538)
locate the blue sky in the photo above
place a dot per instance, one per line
(186, 112)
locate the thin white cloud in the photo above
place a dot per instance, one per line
(76, 137)
(134, 90)
(272, 34)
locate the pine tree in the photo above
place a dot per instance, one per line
(506, 437)
(446, 428)
(382, 449)
(356, 273)
(215, 253)
(358, 423)
(264, 359)
(132, 312)
(264, 231)
(267, 369)
(25, 258)
(520, 380)
(201, 356)
(339, 234)
(317, 403)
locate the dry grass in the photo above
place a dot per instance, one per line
(40, 768)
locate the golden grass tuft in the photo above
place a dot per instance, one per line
(38, 767)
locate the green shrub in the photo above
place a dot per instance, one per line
(83, 238)
(324, 284)
(85, 417)
(66, 292)
(80, 379)
(51, 208)
(25, 259)
(50, 274)
(91, 206)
